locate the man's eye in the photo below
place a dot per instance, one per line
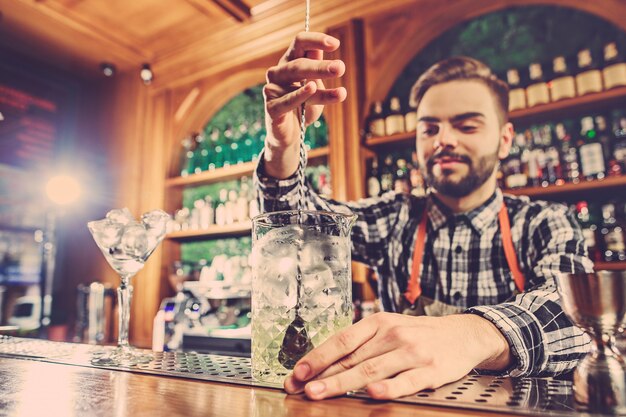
(430, 131)
(467, 128)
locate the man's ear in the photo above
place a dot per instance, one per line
(506, 140)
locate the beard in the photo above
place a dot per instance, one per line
(478, 173)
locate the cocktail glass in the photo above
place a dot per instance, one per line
(301, 286)
(126, 245)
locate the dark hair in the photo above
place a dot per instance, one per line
(463, 68)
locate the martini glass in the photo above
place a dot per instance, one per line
(126, 245)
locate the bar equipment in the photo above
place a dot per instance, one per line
(126, 245)
(95, 303)
(597, 303)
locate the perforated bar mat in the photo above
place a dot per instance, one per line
(527, 396)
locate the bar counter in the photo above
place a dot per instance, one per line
(33, 388)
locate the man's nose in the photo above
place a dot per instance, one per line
(446, 137)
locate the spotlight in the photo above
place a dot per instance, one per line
(146, 74)
(107, 69)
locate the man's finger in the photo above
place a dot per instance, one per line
(336, 347)
(405, 383)
(305, 42)
(304, 69)
(372, 370)
(290, 101)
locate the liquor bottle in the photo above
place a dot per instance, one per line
(612, 236)
(614, 71)
(237, 151)
(394, 122)
(588, 77)
(220, 210)
(569, 153)
(619, 138)
(410, 119)
(517, 94)
(589, 230)
(401, 182)
(376, 123)
(231, 206)
(386, 175)
(563, 84)
(514, 175)
(227, 140)
(207, 214)
(604, 137)
(214, 157)
(186, 156)
(323, 184)
(537, 91)
(590, 151)
(242, 205)
(201, 156)
(373, 182)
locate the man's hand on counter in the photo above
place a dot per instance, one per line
(394, 355)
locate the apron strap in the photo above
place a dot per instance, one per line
(414, 288)
(509, 249)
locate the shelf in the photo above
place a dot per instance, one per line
(229, 173)
(236, 229)
(589, 102)
(569, 188)
(610, 266)
(19, 229)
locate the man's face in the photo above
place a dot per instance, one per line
(459, 137)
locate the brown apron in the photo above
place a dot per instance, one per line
(415, 304)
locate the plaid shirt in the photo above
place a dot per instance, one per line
(464, 263)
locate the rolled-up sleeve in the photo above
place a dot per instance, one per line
(542, 339)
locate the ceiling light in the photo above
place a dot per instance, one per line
(146, 74)
(107, 69)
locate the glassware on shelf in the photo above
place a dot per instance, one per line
(126, 245)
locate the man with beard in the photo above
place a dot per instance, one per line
(467, 274)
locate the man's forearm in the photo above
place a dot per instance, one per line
(281, 163)
(486, 341)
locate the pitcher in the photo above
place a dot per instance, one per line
(301, 286)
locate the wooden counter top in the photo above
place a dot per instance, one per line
(30, 388)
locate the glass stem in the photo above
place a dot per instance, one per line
(124, 295)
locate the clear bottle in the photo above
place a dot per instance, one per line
(220, 210)
(588, 76)
(386, 176)
(589, 229)
(590, 150)
(517, 93)
(418, 188)
(242, 201)
(207, 213)
(394, 122)
(231, 206)
(537, 91)
(612, 236)
(569, 153)
(373, 180)
(563, 84)
(614, 71)
(376, 122)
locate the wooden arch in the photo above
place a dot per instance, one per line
(414, 27)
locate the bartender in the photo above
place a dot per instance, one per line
(467, 274)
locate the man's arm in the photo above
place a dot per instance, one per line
(543, 341)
